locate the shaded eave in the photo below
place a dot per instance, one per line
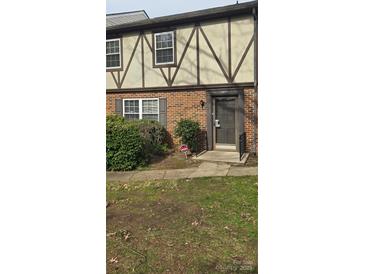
(128, 12)
(183, 18)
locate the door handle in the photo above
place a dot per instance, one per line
(217, 124)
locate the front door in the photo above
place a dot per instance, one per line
(225, 131)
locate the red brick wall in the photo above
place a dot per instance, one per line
(186, 105)
(249, 118)
(180, 105)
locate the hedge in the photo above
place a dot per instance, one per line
(130, 144)
(124, 146)
(154, 135)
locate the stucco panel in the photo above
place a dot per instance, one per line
(246, 72)
(187, 74)
(242, 30)
(110, 83)
(217, 33)
(210, 73)
(133, 79)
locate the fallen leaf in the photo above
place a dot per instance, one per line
(114, 260)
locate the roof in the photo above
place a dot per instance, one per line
(117, 19)
(239, 8)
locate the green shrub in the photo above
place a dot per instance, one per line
(132, 143)
(188, 131)
(124, 144)
(154, 135)
(113, 120)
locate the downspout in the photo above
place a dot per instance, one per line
(254, 11)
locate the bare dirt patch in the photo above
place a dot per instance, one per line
(173, 160)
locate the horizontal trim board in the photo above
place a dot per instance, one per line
(183, 88)
(224, 92)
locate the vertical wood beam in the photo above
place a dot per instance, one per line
(255, 17)
(142, 45)
(197, 56)
(169, 73)
(229, 50)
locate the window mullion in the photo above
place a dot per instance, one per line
(140, 109)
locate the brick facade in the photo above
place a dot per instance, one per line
(186, 105)
(250, 119)
(180, 105)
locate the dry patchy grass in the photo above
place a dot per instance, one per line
(202, 225)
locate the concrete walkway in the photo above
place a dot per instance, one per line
(223, 156)
(206, 169)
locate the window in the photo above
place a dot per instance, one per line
(113, 56)
(150, 109)
(131, 109)
(135, 109)
(164, 48)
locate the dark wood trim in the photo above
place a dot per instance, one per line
(243, 57)
(121, 56)
(215, 55)
(197, 56)
(161, 70)
(130, 60)
(153, 48)
(118, 79)
(255, 47)
(220, 92)
(115, 80)
(210, 121)
(229, 49)
(255, 79)
(169, 73)
(142, 49)
(183, 54)
(185, 88)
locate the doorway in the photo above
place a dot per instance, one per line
(224, 123)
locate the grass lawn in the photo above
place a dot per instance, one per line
(202, 225)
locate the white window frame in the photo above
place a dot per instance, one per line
(173, 47)
(120, 53)
(141, 108)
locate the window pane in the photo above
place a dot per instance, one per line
(163, 40)
(164, 56)
(112, 60)
(131, 107)
(112, 47)
(150, 117)
(150, 107)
